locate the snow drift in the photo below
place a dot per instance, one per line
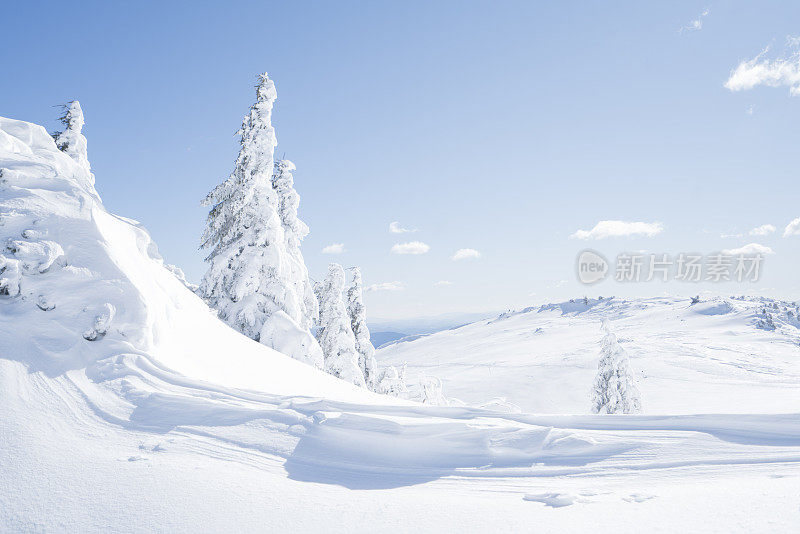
(82, 288)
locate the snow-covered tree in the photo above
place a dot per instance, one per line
(250, 281)
(431, 391)
(614, 388)
(393, 382)
(294, 230)
(358, 323)
(334, 332)
(71, 141)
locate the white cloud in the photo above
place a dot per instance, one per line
(752, 248)
(443, 283)
(793, 228)
(413, 247)
(386, 286)
(764, 229)
(395, 228)
(696, 25)
(466, 253)
(749, 110)
(779, 72)
(334, 248)
(605, 229)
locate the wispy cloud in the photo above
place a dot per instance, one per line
(752, 248)
(443, 283)
(764, 229)
(793, 228)
(749, 110)
(395, 228)
(605, 229)
(466, 253)
(696, 25)
(386, 286)
(334, 248)
(413, 247)
(761, 70)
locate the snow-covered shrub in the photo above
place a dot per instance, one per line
(35, 257)
(765, 322)
(71, 141)
(26, 258)
(393, 382)
(695, 300)
(44, 303)
(334, 332)
(252, 275)
(431, 391)
(614, 389)
(358, 323)
(101, 323)
(10, 276)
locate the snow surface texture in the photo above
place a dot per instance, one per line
(168, 420)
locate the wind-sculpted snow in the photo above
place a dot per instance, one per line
(106, 290)
(127, 406)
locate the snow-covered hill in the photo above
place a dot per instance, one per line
(717, 356)
(126, 406)
(87, 290)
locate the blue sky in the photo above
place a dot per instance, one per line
(503, 127)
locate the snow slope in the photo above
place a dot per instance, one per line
(126, 406)
(706, 358)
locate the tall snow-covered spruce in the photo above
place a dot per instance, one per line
(334, 331)
(358, 323)
(614, 388)
(252, 279)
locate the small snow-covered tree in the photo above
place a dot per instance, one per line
(334, 332)
(393, 382)
(614, 388)
(431, 391)
(358, 323)
(294, 230)
(71, 141)
(249, 280)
